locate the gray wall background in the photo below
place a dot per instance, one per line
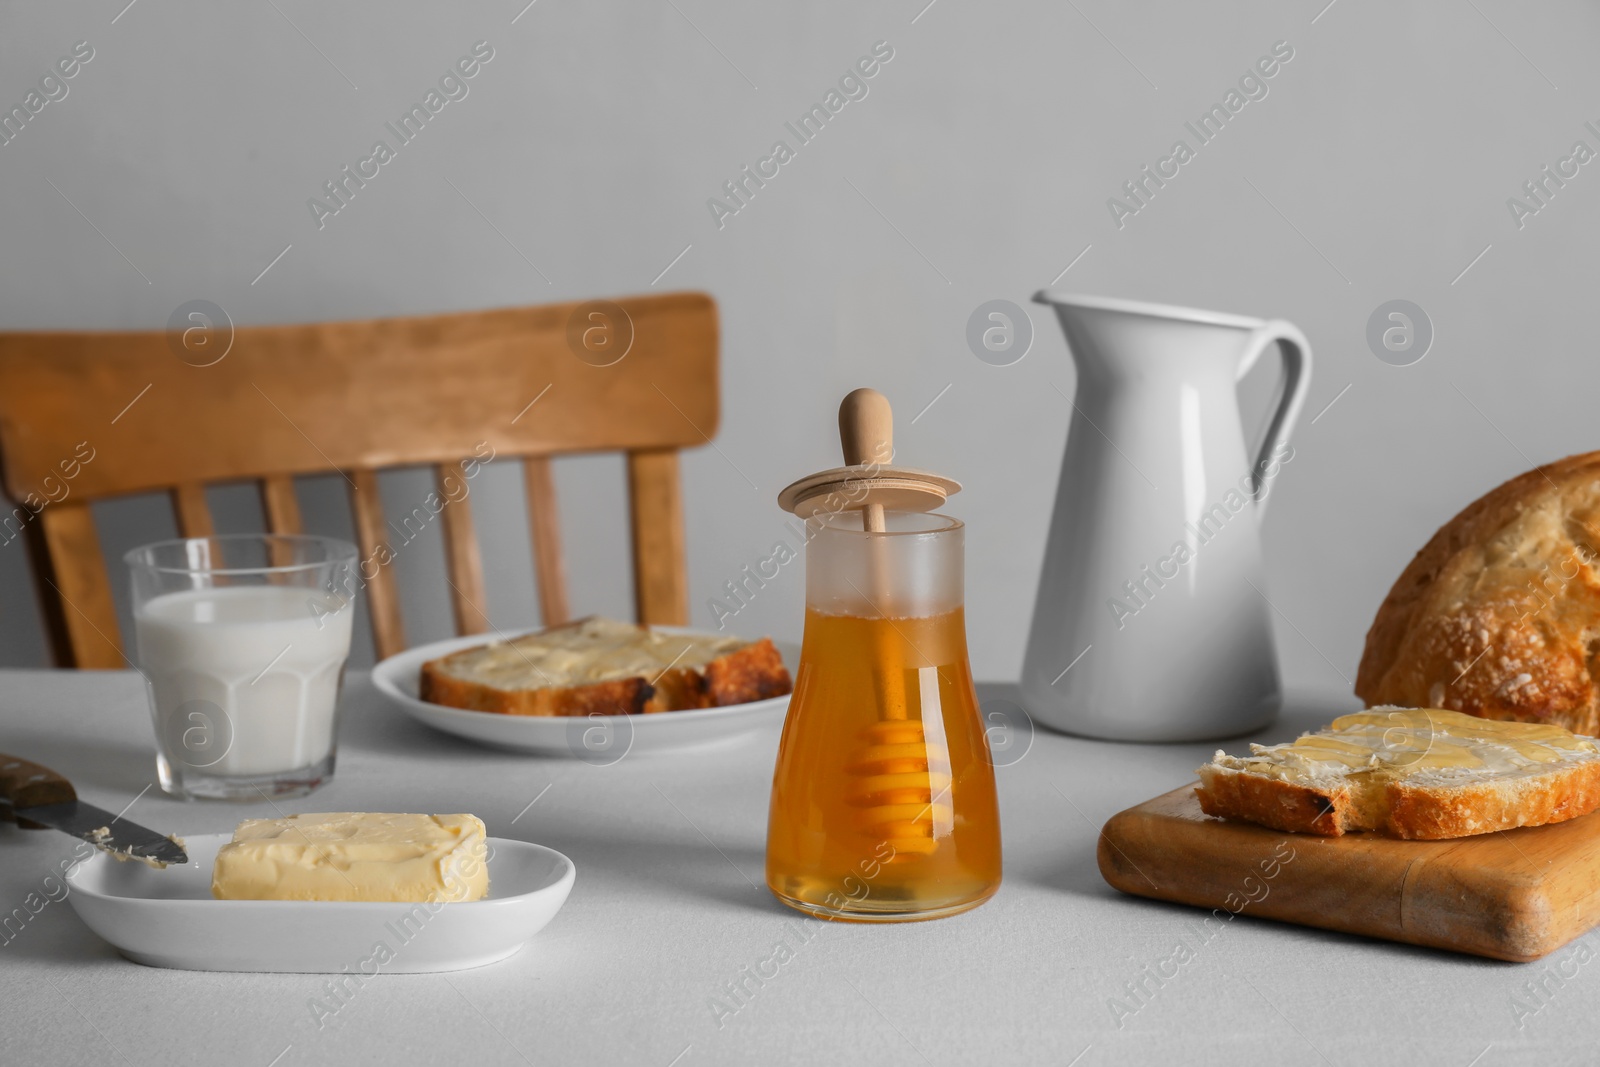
(978, 167)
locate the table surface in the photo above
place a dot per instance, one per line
(670, 908)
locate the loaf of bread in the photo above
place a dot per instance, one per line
(1499, 614)
(601, 666)
(1409, 773)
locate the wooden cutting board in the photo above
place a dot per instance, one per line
(1513, 895)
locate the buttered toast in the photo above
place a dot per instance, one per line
(605, 667)
(1416, 773)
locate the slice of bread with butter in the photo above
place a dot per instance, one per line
(599, 666)
(1417, 773)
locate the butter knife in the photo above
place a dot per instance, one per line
(37, 798)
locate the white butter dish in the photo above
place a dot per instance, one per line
(167, 918)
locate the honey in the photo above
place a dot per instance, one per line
(883, 799)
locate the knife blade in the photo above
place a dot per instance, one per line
(35, 797)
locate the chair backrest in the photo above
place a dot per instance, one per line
(85, 416)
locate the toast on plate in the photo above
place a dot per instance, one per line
(1417, 773)
(599, 666)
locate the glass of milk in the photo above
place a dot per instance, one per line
(242, 640)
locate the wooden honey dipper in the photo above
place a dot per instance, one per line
(866, 437)
(869, 482)
(901, 790)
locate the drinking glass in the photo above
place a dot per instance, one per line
(242, 641)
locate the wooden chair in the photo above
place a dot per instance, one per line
(352, 398)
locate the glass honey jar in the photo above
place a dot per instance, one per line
(883, 797)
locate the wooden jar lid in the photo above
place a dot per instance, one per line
(866, 430)
(855, 487)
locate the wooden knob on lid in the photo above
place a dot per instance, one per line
(866, 428)
(868, 483)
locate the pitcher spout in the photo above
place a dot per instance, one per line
(1109, 336)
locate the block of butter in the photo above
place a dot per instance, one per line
(355, 856)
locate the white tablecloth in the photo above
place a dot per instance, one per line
(670, 910)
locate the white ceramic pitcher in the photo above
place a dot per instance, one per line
(1152, 622)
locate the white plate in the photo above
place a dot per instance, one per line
(167, 918)
(597, 739)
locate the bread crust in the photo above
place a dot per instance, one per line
(626, 696)
(1498, 615)
(754, 672)
(1231, 794)
(751, 672)
(1410, 811)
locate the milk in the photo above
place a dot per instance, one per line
(244, 680)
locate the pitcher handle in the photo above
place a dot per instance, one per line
(1296, 382)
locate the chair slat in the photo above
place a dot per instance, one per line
(544, 528)
(383, 599)
(77, 574)
(280, 505)
(194, 514)
(660, 582)
(51, 607)
(282, 510)
(462, 559)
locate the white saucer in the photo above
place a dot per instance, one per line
(597, 739)
(167, 918)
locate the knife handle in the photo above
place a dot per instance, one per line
(26, 784)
